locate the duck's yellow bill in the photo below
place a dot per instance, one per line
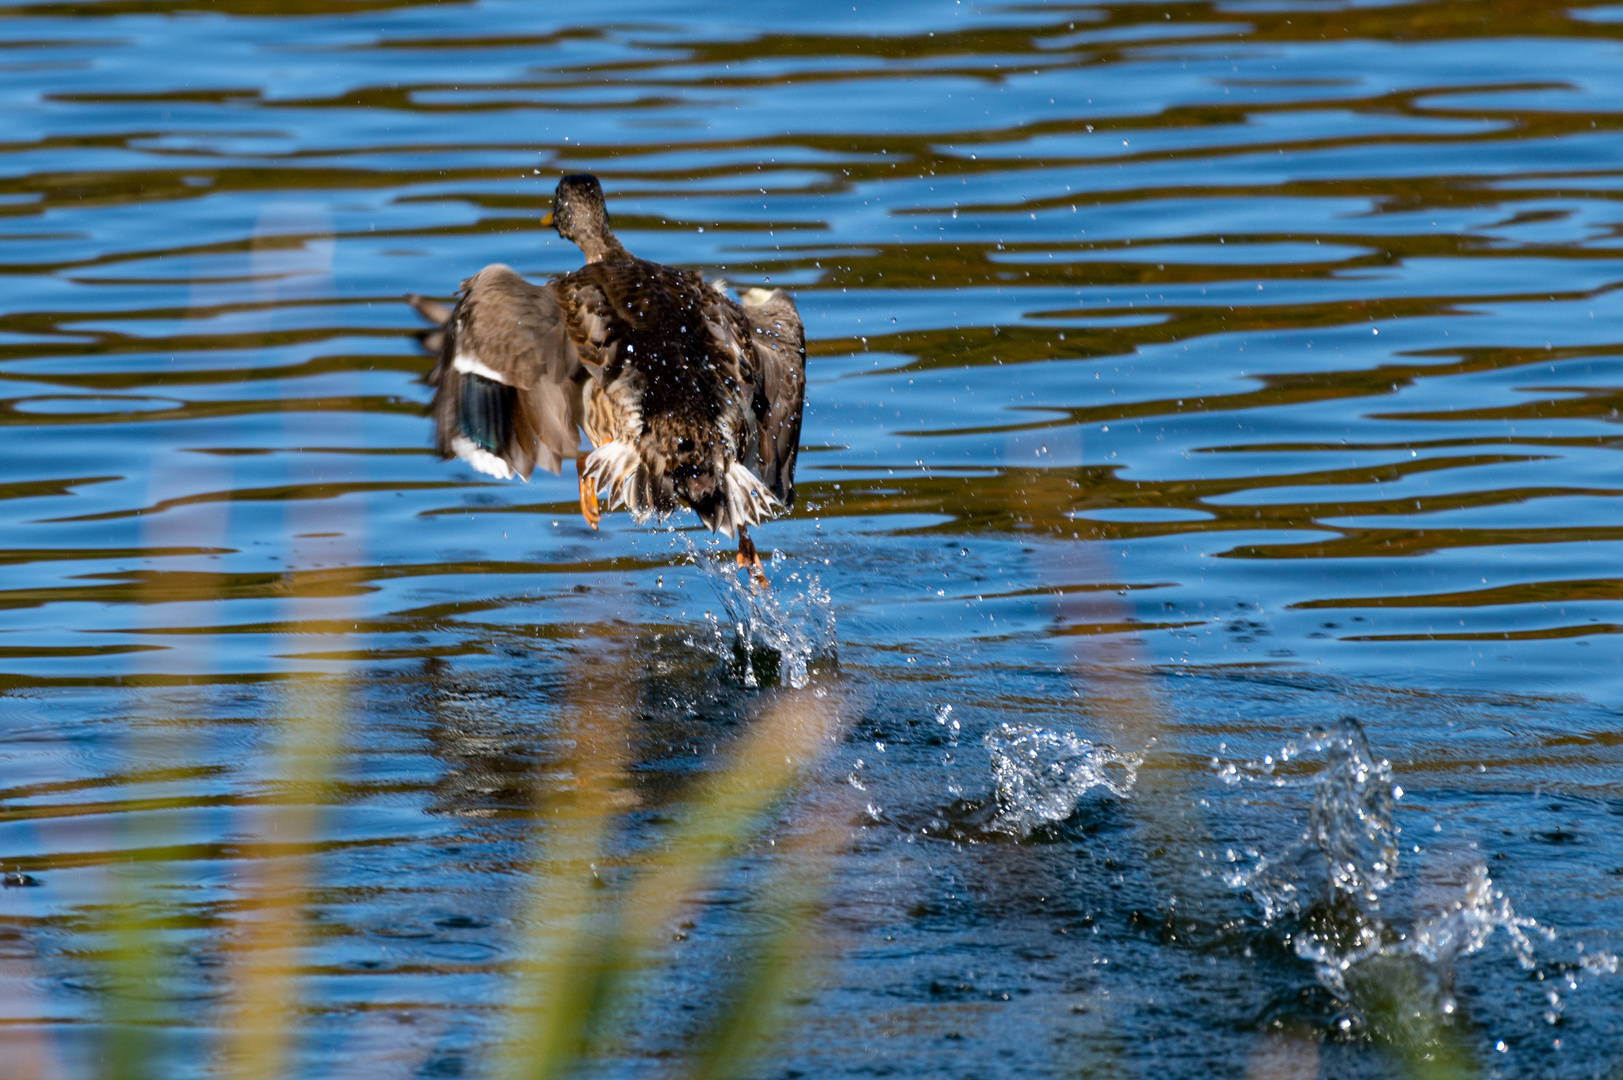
(546, 219)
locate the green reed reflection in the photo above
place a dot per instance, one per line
(586, 939)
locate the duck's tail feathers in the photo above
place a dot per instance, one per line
(749, 502)
(437, 315)
(617, 468)
(433, 343)
(432, 311)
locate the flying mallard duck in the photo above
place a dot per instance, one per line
(686, 396)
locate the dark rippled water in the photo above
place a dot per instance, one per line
(1182, 376)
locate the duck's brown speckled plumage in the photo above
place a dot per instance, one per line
(686, 396)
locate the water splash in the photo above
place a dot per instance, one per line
(1351, 837)
(1328, 889)
(1041, 775)
(1351, 822)
(770, 634)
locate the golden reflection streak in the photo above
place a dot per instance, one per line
(261, 1014)
(262, 1009)
(24, 1046)
(789, 959)
(784, 740)
(138, 959)
(1125, 706)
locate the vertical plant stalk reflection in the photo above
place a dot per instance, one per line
(263, 1008)
(586, 941)
(783, 963)
(577, 812)
(292, 259)
(138, 964)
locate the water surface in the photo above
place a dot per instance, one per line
(1184, 377)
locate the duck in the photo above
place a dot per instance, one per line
(687, 397)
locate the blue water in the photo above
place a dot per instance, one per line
(1182, 377)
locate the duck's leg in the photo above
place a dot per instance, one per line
(748, 559)
(588, 494)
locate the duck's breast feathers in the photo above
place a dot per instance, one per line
(507, 393)
(778, 384)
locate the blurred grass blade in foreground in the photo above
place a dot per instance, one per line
(584, 947)
(263, 1009)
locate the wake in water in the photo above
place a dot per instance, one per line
(777, 634)
(1327, 891)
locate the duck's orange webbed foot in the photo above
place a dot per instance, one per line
(751, 561)
(588, 495)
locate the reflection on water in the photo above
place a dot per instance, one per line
(1183, 377)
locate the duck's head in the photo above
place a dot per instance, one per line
(581, 217)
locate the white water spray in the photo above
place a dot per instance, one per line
(1041, 775)
(793, 620)
(1331, 883)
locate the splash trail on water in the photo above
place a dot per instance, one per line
(1334, 890)
(788, 627)
(1041, 775)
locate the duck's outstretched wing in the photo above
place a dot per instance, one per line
(779, 378)
(507, 386)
